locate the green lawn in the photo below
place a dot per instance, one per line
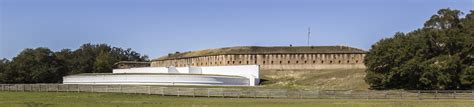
(62, 99)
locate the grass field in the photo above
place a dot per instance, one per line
(61, 99)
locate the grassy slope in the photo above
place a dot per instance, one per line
(352, 79)
(40, 99)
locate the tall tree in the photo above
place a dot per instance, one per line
(437, 56)
(33, 66)
(3, 64)
(42, 65)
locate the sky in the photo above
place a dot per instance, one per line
(159, 27)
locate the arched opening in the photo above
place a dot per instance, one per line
(247, 62)
(297, 61)
(288, 62)
(339, 61)
(263, 62)
(357, 61)
(314, 62)
(280, 62)
(272, 62)
(347, 61)
(330, 62)
(322, 62)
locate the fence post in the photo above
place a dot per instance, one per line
(222, 91)
(149, 90)
(368, 94)
(240, 92)
(401, 94)
(350, 94)
(472, 91)
(78, 88)
(178, 92)
(106, 88)
(436, 94)
(255, 93)
(300, 92)
(57, 87)
(454, 94)
(194, 92)
(269, 94)
(67, 87)
(120, 88)
(318, 95)
(418, 95)
(162, 91)
(209, 93)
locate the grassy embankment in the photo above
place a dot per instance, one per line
(61, 99)
(343, 79)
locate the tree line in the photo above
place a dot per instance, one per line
(439, 55)
(41, 65)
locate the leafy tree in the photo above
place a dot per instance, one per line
(42, 65)
(3, 64)
(32, 66)
(100, 58)
(437, 56)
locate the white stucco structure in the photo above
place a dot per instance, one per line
(240, 75)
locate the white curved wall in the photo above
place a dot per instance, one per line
(248, 71)
(157, 79)
(241, 75)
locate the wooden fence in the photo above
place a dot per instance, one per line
(232, 92)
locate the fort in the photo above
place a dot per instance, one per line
(231, 66)
(269, 58)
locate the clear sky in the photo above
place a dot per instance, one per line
(158, 27)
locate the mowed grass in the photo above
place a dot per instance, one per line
(62, 99)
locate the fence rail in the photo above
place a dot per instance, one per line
(244, 92)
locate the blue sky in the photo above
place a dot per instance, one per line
(158, 27)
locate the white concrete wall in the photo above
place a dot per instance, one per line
(142, 70)
(248, 71)
(157, 79)
(195, 70)
(239, 70)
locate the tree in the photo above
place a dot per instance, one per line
(100, 58)
(32, 66)
(445, 19)
(3, 64)
(437, 56)
(41, 65)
